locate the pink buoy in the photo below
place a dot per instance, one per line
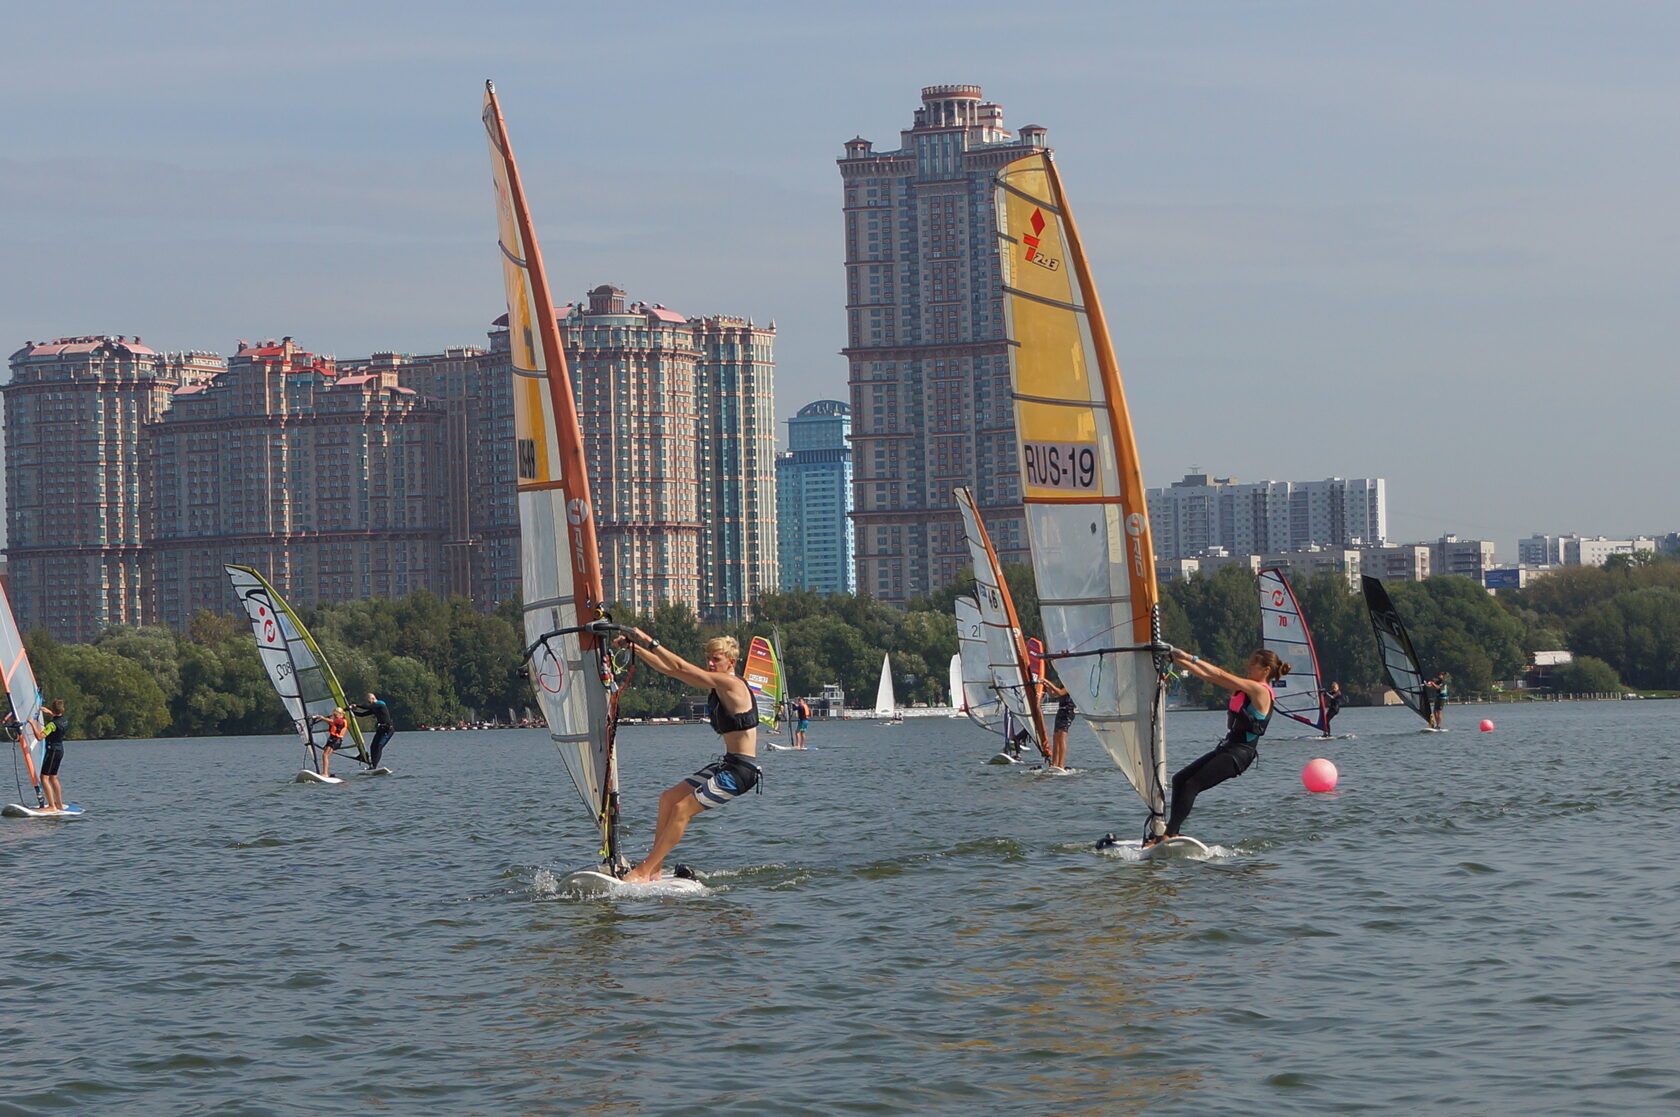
(1319, 775)
(1487, 725)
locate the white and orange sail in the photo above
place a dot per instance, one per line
(1087, 520)
(1012, 673)
(570, 664)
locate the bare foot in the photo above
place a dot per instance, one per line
(639, 875)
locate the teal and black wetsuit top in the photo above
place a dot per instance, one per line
(1245, 725)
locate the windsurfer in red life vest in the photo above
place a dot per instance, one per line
(734, 716)
(1249, 714)
(336, 725)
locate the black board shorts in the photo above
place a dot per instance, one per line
(51, 759)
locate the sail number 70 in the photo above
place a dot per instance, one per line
(1060, 465)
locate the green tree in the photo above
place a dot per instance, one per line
(1586, 675)
(117, 697)
(1638, 634)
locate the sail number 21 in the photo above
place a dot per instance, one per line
(1061, 465)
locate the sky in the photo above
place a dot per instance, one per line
(1437, 243)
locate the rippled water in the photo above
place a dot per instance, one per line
(1471, 923)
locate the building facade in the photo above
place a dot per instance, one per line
(678, 420)
(1203, 512)
(76, 410)
(1579, 550)
(928, 368)
(334, 484)
(813, 500)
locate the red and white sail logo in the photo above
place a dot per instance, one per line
(1034, 243)
(268, 632)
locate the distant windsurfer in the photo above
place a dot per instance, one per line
(1248, 715)
(1332, 706)
(802, 712)
(53, 725)
(734, 716)
(336, 724)
(1438, 703)
(383, 726)
(1066, 711)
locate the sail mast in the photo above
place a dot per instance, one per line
(574, 675)
(23, 697)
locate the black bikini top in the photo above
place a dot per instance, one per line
(725, 722)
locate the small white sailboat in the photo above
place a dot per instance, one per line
(886, 704)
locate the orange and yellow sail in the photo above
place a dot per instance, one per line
(1087, 519)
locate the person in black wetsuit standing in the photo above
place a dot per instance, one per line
(733, 714)
(1332, 706)
(1249, 714)
(382, 726)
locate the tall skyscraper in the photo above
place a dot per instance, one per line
(928, 365)
(76, 409)
(678, 424)
(1201, 512)
(813, 500)
(334, 485)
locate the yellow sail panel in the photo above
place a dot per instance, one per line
(1087, 519)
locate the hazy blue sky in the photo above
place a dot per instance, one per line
(1433, 242)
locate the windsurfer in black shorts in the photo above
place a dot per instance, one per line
(733, 714)
(1250, 712)
(1065, 713)
(383, 726)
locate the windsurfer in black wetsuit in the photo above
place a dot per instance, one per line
(1250, 712)
(733, 714)
(383, 726)
(1332, 706)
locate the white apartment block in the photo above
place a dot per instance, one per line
(1578, 550)
(1203, 512)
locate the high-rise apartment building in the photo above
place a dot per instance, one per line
(76, 410)
(1202, 512)
(334, 485)
(678, 423)
(813, 500)
(928, 365)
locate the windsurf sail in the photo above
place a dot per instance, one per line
(980, 699)
(1081, 483)
(576, 678)
(885, 704)
(24, 698)
(953, 683)
(1007, 656)
(763, 675)
(300, 673)
(1400, 662)
(1283, 630)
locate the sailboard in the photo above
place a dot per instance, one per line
(1081, 481)
(1299, 694)
(576, 677)
(979, 699)
(300, 673)
(763, 674)
(1008, 661)
(886, 704)
(1394, 647)
(24, 706)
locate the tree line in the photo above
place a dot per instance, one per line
(441, 662)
